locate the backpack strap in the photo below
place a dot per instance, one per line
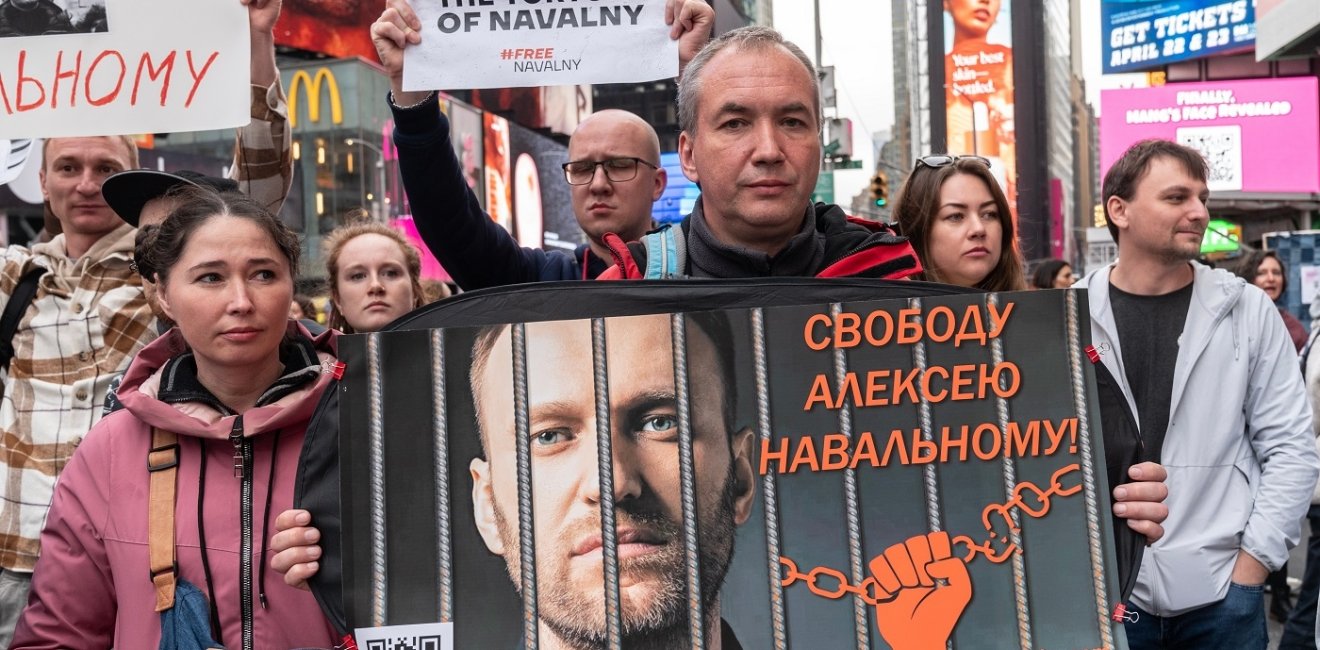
(658, 255)
(666, 254)
(163, 468)
(19, 301)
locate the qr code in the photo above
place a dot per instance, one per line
(423, 636)
(430, 642)
(1222, 148)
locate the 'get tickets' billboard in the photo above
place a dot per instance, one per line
(1139, 35)
(1260, 135)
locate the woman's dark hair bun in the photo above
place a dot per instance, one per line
(142, 245)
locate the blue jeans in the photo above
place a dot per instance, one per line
(1299, 631)
(1236, 622)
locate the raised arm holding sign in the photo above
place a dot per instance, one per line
(689, 25)
(616, 198)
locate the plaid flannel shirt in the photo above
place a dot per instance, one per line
(88, 319)
(263, 158)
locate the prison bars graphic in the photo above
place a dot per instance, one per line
(697, 620)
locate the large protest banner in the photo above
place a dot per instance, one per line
(869, 474)
(517, 43)
(111, 67)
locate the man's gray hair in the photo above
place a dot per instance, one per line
(753, 37)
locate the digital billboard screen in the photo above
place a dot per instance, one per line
(1258, 135)
(336, 28)
(680, 194)
(542, 202)
(1140, 35)
(978, 81)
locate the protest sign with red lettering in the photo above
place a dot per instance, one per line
(110, 67)
(792, 464)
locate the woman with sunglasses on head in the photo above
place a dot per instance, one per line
(160, 522)
(958, 220)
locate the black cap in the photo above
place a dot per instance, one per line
(127, 192)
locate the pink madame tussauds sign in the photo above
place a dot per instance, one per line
(1257, 135)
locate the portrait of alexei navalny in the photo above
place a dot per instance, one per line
(52, 17)
(564, 428)
(886, 474)
(554, 387)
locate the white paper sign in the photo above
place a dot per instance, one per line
(111, 67)
(425, 636)
(1310, 283)
(521, 43)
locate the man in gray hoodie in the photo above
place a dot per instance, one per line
(1203, 363)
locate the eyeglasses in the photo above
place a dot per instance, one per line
(935, 162)
(580, 172)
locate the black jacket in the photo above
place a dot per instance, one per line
(475, 250)
(1124, 448)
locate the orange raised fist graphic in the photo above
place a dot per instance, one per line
(914, 612)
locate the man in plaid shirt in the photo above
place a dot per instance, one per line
(89, 315)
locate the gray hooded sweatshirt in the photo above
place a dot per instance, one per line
(1238, 449)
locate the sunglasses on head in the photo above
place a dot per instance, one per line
(944, 160)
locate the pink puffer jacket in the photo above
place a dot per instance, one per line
(92, 588)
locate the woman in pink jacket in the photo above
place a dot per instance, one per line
(236, 382)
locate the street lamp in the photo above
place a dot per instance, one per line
(381, 201)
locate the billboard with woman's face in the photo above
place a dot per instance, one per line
(978, 85)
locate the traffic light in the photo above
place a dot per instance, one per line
(880, 189)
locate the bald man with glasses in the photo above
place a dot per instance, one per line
(614, 174)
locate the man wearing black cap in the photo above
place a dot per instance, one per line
(87, 314)
(142, 197)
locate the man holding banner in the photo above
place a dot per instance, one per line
(1198, 366)
(613, 170)
(89, 316)
(749, 106)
